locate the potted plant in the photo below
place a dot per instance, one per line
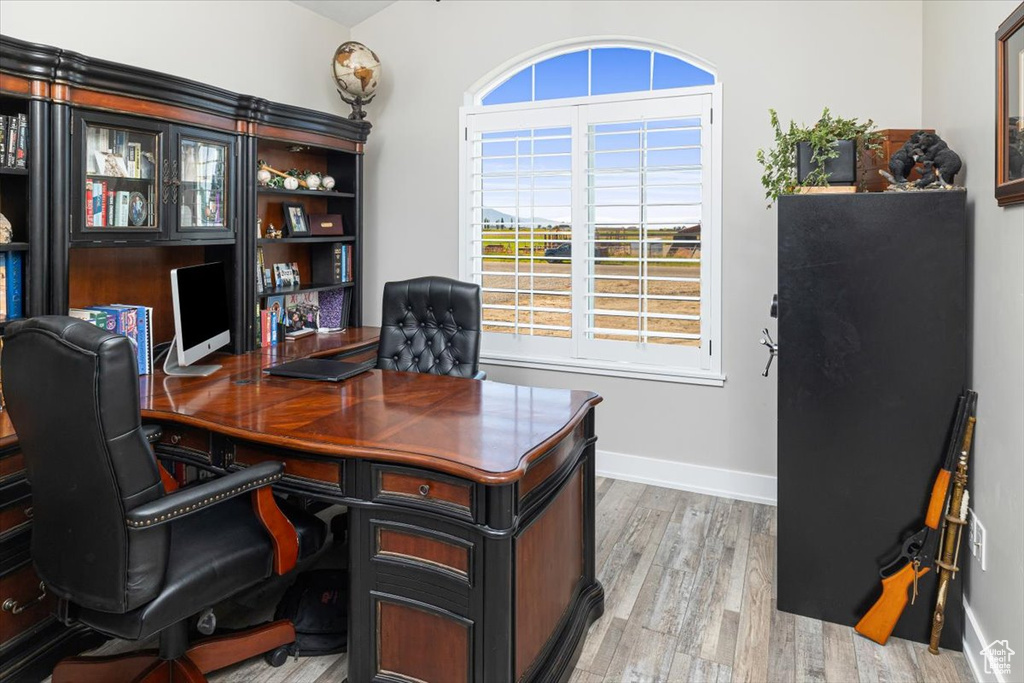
(827, 152)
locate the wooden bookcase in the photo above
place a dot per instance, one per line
(70, 263)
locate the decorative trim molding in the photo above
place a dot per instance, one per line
(714, 481)
(974, 642)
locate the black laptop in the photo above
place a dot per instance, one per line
(322, 369)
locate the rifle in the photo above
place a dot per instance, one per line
(917, 554)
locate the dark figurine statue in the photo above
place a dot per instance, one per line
(902, 162)
(941, 164)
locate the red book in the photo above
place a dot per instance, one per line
(103, 204)
(88, 202)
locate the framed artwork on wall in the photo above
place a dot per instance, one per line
(1010, 109)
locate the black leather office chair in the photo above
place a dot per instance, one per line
(431, 325)
(125, 555)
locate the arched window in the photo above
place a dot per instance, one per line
(596, 71)
(591, 212)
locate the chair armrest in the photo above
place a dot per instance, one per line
(152, 433)
(192, 499)
(480, 374)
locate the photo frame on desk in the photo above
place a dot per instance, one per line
(295, 219)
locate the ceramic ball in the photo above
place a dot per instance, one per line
(263, 176)
(327, 182)
(312, 181)
(291, 183)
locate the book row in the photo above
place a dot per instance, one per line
(13, 141)
(106, 207)
(134, 322)
(12, 283)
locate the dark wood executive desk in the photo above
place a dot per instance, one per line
(471, 503)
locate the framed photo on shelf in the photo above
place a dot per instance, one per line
(295, 274)
(295, 219)
(283, 275)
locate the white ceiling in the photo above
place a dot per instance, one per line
(345, 12)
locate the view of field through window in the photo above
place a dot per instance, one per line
(643, 218)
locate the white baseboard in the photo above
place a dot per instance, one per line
(974, 642)
(715, 481)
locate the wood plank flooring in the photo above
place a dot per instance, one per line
(690, 596)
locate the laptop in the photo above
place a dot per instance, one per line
(321, 369)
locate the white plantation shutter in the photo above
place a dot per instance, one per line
(590, 228)
(521, 197)
(641, 294)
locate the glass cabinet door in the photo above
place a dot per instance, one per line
(121, 191)
(203, 188)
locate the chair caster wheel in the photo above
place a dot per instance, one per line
(277, 657)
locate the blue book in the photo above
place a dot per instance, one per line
(12, 262)
(141, 335)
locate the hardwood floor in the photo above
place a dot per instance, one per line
(690, 586)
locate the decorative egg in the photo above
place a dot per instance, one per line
(263, 176)
(312, 181)
(291, 183)
(327, 182)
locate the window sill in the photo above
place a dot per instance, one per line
(654, 373)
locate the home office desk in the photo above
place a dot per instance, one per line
(471, 503)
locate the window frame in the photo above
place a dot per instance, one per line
(709, 369)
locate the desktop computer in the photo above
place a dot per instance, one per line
(201, 318)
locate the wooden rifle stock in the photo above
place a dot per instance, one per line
(881, 619)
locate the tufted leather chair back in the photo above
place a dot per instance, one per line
(73, 394)
(431, 325)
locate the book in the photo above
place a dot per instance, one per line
(13, 266)
(97, 318)
(21, 151)
(116, 319)
(3, 289)
(97, 204)
(3, 141)
(89, 216)
(259, 269)
(12, 141)
(121, 210)
(326, 264)
(139, 315)
(134, 160)
(108, 206)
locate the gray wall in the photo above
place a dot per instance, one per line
(270, 49)
(959, 102)
(767, 54)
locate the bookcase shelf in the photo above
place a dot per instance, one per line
(327, 194)
(14, 171)
(279, 291)
(323, 239)
(14, 246)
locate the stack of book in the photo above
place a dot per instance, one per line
(13, 141)
(11, 284)
(134, 322)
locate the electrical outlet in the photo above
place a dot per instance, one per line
(977, 538)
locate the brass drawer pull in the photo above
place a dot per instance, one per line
(424, 489)
(175, 439)
(28, 512)
(11, 605)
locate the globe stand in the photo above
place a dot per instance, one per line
(356, 103)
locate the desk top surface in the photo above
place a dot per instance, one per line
(485, 431)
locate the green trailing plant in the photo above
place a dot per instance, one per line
(779, 162)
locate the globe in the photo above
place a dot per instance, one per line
(356, 70)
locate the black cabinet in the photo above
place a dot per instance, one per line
(872, 337)
(141, 180)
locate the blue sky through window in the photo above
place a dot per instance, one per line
(597, 71)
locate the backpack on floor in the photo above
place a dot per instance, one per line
(317, 603)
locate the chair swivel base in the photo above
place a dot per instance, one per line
(201, 658)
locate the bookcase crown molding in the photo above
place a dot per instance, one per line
(50, 72)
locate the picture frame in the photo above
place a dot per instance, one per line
(1010, 110)
(295, 273)
(295, 219)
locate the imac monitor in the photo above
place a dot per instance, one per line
(201, 318)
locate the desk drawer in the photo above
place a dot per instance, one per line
(422, 489)
(423, 548)
(192, 440)
(19, 592)
(15, 509)
(12, 466)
